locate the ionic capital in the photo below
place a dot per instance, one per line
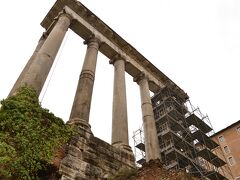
(65, 14)
(117, 58)
(93, 41)
(65, 20)
(140, 77)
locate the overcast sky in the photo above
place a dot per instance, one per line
(195, 43)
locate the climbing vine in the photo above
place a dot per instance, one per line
(29, 136)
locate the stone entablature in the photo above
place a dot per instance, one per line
(87, 24)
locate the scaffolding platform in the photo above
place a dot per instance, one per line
(141, 161)
(141, 146)
(170, 118)
(204, 139)
(211, 157)
(196, 121)
(179, 142)
(169, 103)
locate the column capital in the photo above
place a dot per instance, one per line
(116, 58)
(140, 77)
(65, 14)
(93, 41)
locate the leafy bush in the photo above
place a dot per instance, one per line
(29, 136)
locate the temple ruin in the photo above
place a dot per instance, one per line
(89, 157)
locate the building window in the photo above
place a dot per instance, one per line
(221, 138)
(231, 161)
(226, 149)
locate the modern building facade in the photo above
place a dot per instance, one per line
(229, 142)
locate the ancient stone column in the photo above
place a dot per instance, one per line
(30, 61)
(39, 69)
(82, 101)
(149, 126)
(119, 111)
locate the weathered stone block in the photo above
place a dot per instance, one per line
(92, 158)
(74, 151)
(67, 172)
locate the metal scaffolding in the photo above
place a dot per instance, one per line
(184, 137)
(139, 149)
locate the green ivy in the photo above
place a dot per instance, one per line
(29, 136)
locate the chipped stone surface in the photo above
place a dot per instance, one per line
(89, 157)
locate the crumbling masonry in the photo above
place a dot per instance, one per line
(89, 157)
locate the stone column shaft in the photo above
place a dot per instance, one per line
(119, 111)
(82, 101)
(149, 126)
(30, 61)
(39, 69)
